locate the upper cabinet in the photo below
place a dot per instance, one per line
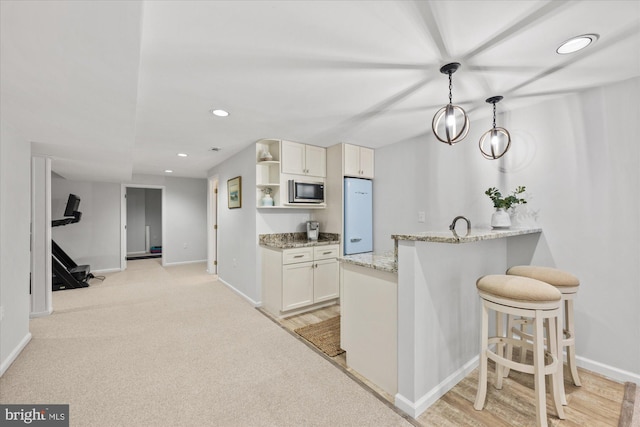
(358, 161)
(279, 161)
(302, 159)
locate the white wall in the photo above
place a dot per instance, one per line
(144, 208)
(579, 158)
(237, 227)
(185, 220)
(153, 215)
(15, 212)
(136, 220)
(239, 258)
(95, 240)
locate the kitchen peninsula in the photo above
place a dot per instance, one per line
(436, 305)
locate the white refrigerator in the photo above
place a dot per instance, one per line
(358, 215)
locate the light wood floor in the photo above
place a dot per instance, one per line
(597, 403)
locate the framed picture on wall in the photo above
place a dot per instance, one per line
(234, 192)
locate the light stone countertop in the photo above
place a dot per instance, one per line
(476, 235)
(296, 240)
(383, 262)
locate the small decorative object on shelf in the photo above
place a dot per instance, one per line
(267, 200)
(501, 218)
(265, 156)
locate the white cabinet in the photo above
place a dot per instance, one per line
(303, 159)
(279, 161)
(358, 161)
(299, 278)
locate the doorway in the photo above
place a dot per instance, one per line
(212, 225)
(142, 218)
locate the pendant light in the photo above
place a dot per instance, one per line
(495, 142)
(451, 123)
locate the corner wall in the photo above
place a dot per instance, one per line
(15, 213)
(95, 240)
(579, 158)
(239, 256)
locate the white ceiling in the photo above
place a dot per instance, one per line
(114, 88)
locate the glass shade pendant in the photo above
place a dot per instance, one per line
(494, 143)
(451, 123)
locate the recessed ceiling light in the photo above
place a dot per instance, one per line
(576, 43)
(219, 113)
(168, 171)
(182, 155)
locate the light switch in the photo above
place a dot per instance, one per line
(421, 216)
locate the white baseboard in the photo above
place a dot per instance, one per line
(106, 270)
(252, 302)
(607, 371)
(170, 264)
(416, 408)
(45, 313)
(137, 253)
(14, 354)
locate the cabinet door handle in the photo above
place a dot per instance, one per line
(316, 265)
(326, 253)
(356, 240)
(298, 256)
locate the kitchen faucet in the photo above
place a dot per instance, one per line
(452, 227)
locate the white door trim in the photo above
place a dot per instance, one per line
(212, 218)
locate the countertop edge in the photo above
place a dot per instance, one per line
(298, 244)
(475, 236)
(375, 262)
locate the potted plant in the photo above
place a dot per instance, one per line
(500, 218)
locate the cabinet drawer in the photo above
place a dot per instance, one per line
(291, 256)
(325, 252)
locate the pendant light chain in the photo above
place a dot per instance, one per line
(450, 88)
(494, 115)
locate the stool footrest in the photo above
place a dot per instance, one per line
(567, 340)
(549, 368)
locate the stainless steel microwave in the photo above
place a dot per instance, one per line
(306, 192)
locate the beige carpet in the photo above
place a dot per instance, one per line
(157, 346)
(324, 335)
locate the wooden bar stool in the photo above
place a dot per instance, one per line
(529, 298)
(568, 285)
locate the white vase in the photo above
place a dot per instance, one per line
(265, 155)
(500, 219)
(267, 200)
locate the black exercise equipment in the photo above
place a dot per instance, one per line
(66, 274)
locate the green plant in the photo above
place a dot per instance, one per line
(267, 190)
(506, 202)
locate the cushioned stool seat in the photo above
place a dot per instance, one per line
(568, 285)
(527, 298)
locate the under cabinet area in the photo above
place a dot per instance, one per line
(299, 279)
